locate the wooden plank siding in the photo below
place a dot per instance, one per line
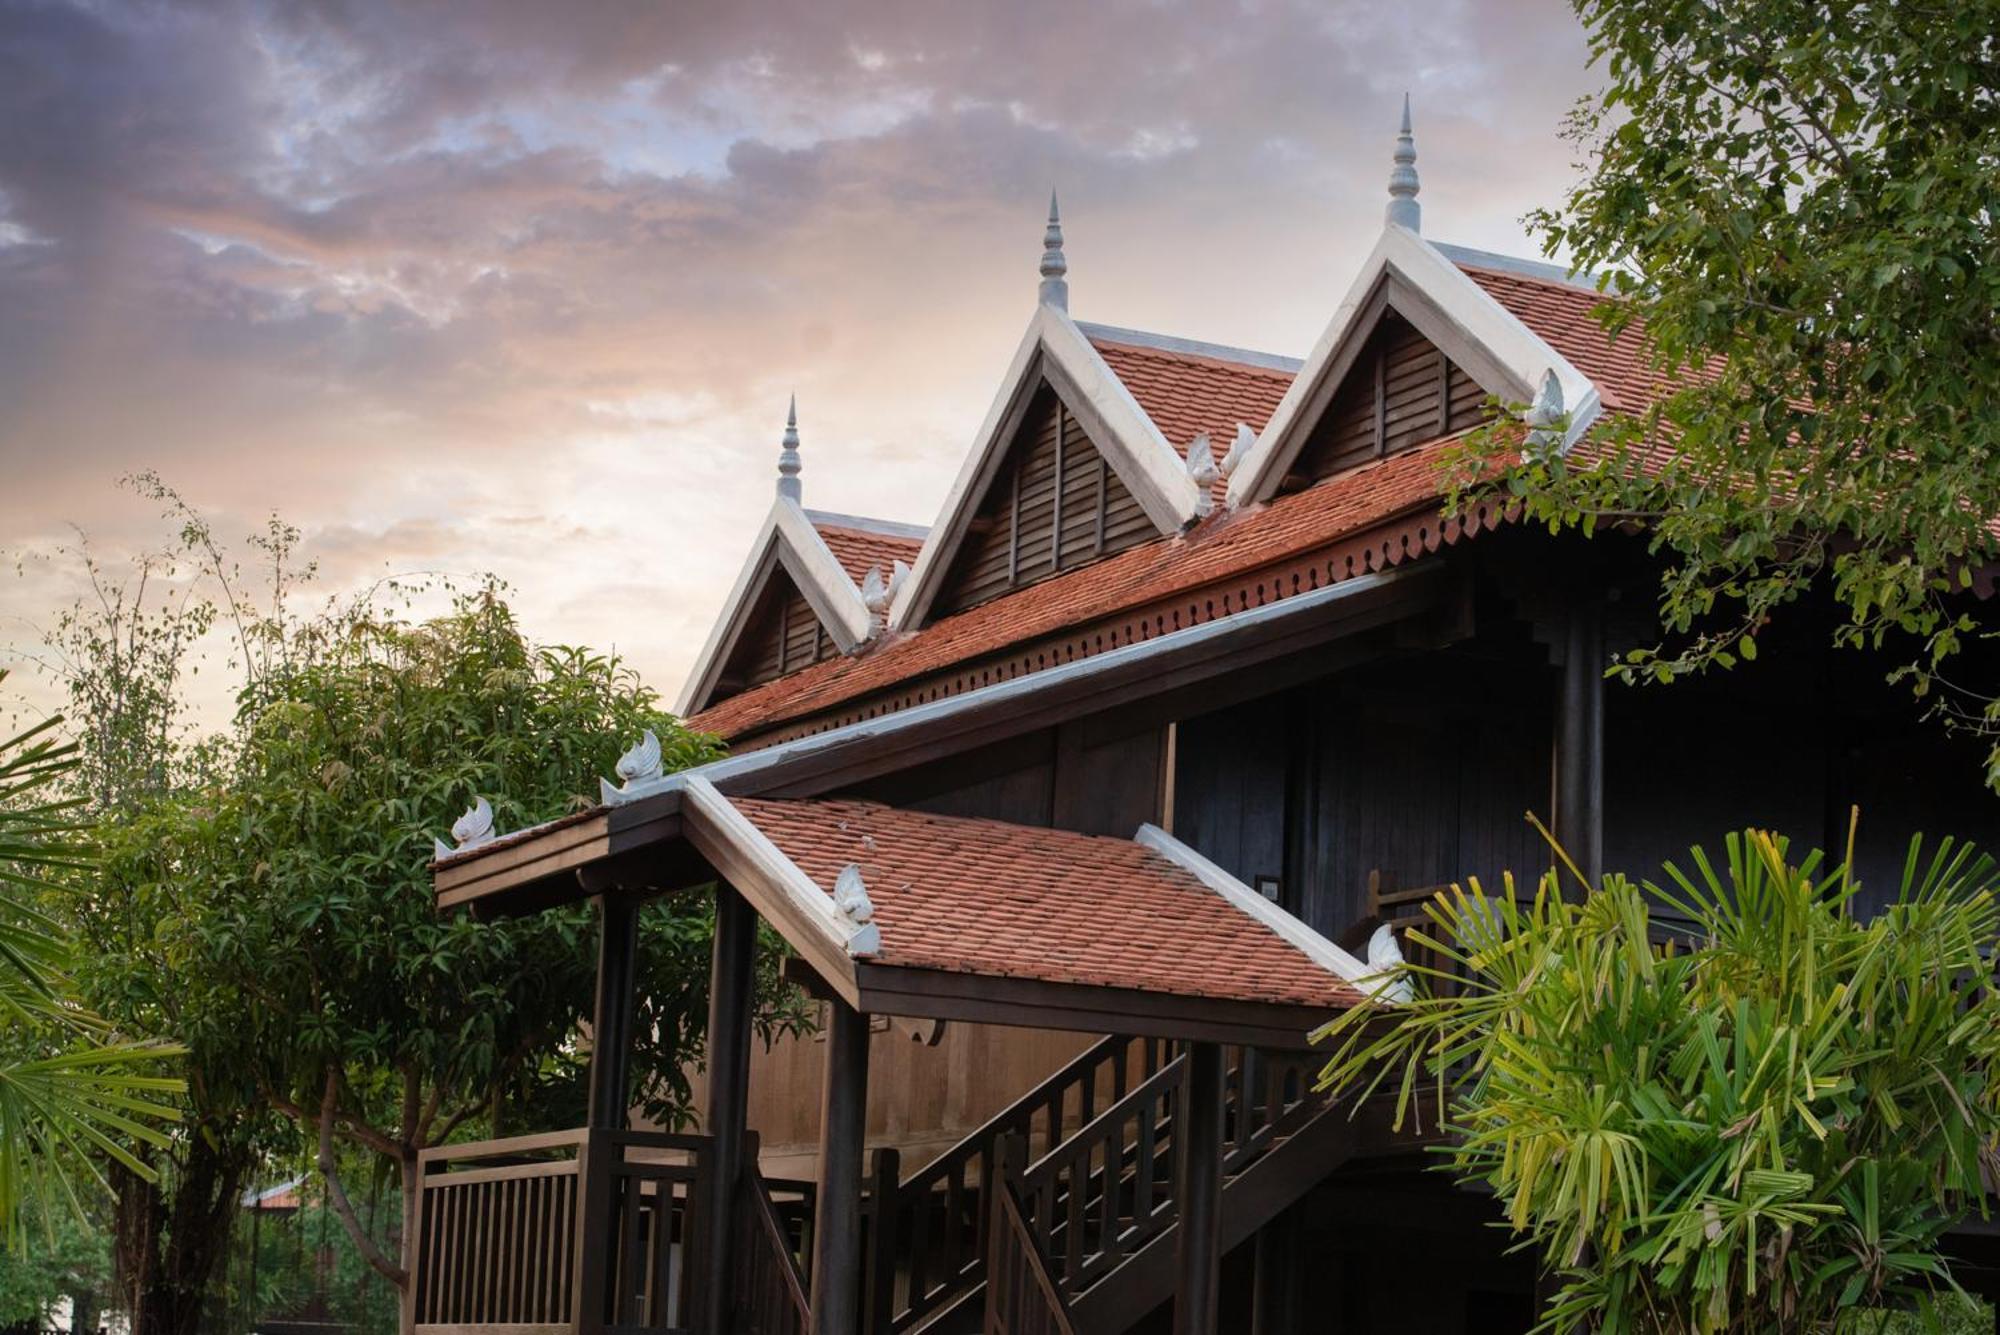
(784, 634)
(1401, 392)
(1055, 505)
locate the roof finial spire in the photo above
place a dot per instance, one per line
(1403, 208)
(788, 456)
(1055, 268)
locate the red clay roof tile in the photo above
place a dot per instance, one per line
(1014, 901)
(861, 549)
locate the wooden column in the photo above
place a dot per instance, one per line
(843, 1123)
(1580, 740)
(1199, 1171)
(1275, 1289)
(731, 1001)
(611, 1024)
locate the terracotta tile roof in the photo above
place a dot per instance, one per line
(1561, 314)
(1187, 393)
(1184, 393)
(1227, 545)
(859, 549)
(1013, 901)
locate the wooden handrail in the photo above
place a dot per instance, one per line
(770, 1288)
(1022, 1298)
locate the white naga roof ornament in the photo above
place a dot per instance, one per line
(1545, 416)
(1246, 440)
(1055, 265)
(1385, 954)
(639, 768)
(850, 896)
(1202, 469)
(788, 454)
(1403, 208)
(879, 594)
(472, 829)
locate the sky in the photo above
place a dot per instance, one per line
(522, 288)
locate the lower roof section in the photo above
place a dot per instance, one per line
(910, 913)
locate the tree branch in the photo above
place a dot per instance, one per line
(329, 1168)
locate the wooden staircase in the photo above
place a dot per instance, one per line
(1071, 1196)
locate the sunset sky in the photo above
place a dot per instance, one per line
(522, 287)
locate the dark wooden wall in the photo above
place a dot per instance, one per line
(1401, 391)
(1421, 768)
(783, 635)
(1091, 776)
(1055, 505)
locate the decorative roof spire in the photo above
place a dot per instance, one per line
(1403, 208)
(788, 456)
(1055, 267)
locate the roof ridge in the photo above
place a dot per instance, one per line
(1189, 347)
(886, 528)
(1468, 257)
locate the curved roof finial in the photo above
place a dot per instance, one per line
(1055, 266)
(1403, 208)
(788, 456)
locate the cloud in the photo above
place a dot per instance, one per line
(523, 287)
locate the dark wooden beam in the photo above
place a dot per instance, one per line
(1275, 1287)
(731, 1001)
(1031, 1003)
(611, 1025)
(843, 1124)
(1199, 1171)
(1579, 754)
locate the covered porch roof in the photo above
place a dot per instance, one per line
(948, 917)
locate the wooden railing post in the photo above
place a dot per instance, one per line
(879, 1297)
(593, 1257)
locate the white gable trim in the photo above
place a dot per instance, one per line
(1248, 902)
(787, 538)
(1450, 310)
(1055, 349)
(781, 892)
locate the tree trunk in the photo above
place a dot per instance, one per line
(83, 1312)
(168, 1250)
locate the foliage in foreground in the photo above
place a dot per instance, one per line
(73, 1091)
(1756, 1132)
(1801, 202)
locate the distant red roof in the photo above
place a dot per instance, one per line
(1012, 901)
(862, 545)
(1184, 393)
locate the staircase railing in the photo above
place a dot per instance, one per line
(1021, 1296)
(930, 1232)
(769, 1286)
(1108, 1189)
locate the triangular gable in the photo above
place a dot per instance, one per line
(1054, 356)
(788, 560)
(1442, 306)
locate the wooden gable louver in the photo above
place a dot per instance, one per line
(783, 635)
(1401, 391)
(1055, 505)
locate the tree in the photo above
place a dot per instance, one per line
(73, 1090)
(1757, 1132)
(1799, 202)
(294, 896)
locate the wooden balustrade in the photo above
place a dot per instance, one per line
(769, 1283)
(1021, 1296)
(568, 1231)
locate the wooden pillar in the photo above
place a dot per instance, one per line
(731, 1001)
(611, 1025)
(1580, 741)
(843, 1123)
(1199, 1171)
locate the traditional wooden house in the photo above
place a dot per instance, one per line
(1190, 688)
